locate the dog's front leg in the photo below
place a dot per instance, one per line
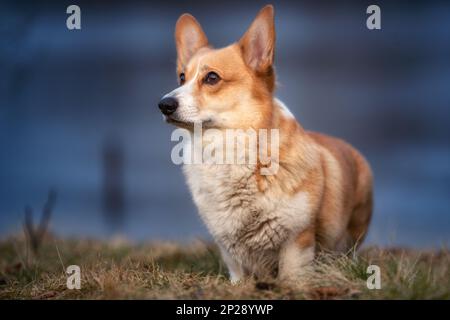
(234, 269)
(296, 257)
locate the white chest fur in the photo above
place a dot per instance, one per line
(249, 225)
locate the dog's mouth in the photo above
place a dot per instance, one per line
(186, 124)
(179, 123)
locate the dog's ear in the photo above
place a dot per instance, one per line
(189, 37)
(258, 43)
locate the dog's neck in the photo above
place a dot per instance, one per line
(290, 158)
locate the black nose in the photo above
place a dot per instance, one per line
(168, 105)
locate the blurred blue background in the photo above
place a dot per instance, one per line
(77, 107)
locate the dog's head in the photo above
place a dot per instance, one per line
(230, 87)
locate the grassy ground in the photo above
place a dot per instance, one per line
(119, 270)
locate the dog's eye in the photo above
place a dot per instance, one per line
(182, 78)
(211, 78)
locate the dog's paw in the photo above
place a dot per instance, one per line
(235, 281)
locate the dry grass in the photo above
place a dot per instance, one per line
(119, 270)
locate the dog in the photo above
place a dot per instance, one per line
(320, 198)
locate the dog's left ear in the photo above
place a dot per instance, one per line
(258, 43)
(189, 38)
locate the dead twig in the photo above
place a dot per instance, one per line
(35, 234)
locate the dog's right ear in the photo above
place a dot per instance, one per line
(189, 38)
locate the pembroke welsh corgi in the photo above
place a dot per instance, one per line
(320, 196)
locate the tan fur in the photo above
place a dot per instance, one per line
(353, 191)
(321, 196)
